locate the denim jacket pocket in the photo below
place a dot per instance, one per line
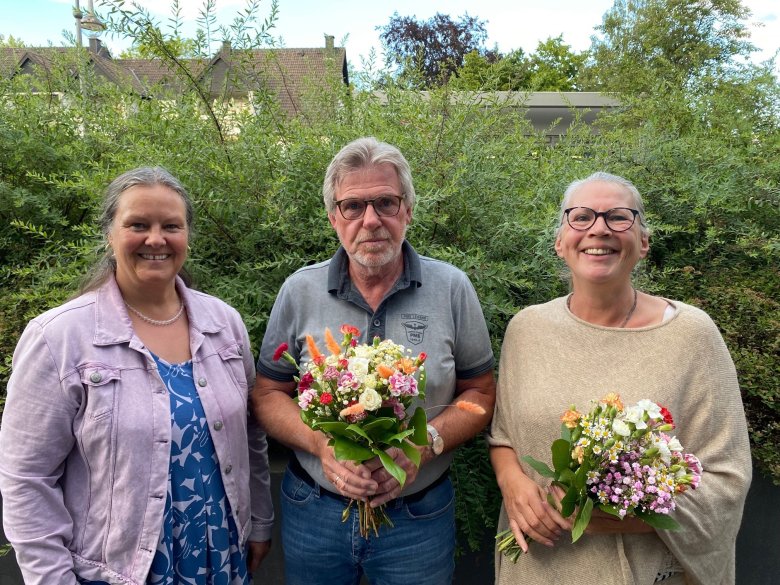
(232, 357)
(99, 382)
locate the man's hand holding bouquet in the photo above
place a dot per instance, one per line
(358, 395)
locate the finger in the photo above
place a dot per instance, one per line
(519, 536)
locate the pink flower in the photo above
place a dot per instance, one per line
(283, 347)
(306, 397)
(401, 385)
(306, 381)
(398, 408)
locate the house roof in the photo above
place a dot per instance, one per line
(283, 72)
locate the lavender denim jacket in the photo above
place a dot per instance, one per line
(85, 438)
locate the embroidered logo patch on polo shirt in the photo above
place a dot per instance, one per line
(415, 326)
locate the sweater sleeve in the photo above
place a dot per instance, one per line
(711, 425)
(35, 439)
(499, 435)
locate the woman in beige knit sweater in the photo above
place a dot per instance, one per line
(608, 337)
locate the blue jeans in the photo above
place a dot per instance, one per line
(320, 549)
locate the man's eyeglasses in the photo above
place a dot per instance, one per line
(618, 219)
(385, 206)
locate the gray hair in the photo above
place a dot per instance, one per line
(365, 153)
(142, 176)
(602, 177)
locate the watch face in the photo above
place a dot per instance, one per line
(438, 445)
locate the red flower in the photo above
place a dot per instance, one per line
(667, 416)
(421, 358)
(353, 342)
(344, 363)
(283, 347)
(326, 398)
(318, 360)
(350, 330)
(306, 381)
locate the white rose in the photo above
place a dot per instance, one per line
(621, 428)
(370, 399)
(358, 366)
(370, 381)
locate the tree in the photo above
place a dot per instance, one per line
(555, 67)
(428, 52)
(147, 47)
(647, 45)
(11, 42)
(493, 71)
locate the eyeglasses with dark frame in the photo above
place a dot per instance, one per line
(384, 206)
(618, 219)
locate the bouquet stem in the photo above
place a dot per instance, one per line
(370, 519)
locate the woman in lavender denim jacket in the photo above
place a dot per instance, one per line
(96, 443)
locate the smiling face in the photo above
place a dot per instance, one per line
(372, 242)
(598, 255)
(149, 237)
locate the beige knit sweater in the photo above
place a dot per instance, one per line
(551, 359)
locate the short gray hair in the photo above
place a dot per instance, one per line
(141, 176)
(603, 177)
(365, 153)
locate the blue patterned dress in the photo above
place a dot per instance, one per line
(199, 544)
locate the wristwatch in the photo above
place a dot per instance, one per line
(437, 443)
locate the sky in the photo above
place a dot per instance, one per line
(511, 24)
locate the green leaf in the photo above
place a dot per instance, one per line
(419, 423)
(379, 424)
(358, 430)
(566, 477)
(540, 468)
(583, 518)
(660, 521)
(569, 502)
(332, 427)
(561, 454)
(609, 510)
(565, 433)
(581, 475)
(412, 453)
(347, 450)
(398, 437)
(392, 467)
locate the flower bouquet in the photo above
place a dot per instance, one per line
(618, 460)
(358, 395)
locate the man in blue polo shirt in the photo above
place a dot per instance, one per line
(379, 284)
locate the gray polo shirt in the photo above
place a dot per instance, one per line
(432, 308)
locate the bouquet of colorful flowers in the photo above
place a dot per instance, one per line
(358, 395)
(618, 460)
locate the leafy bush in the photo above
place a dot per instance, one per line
(488, 185)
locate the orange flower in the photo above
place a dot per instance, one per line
(613, 399)
(333, 345)
(384, 371)
(406, 365)
(314, 351)
(467, 406)
(578, 453)
(570, 418)
(352, 410)
(350, 330)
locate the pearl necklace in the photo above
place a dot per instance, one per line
(156, 322)
(628, 316)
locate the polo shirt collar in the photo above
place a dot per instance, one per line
(338, 270)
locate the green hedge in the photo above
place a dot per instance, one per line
(488, 185)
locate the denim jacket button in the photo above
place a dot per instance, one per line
(201, 382)
(218, 425)
(96, 377)
(228, 469)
